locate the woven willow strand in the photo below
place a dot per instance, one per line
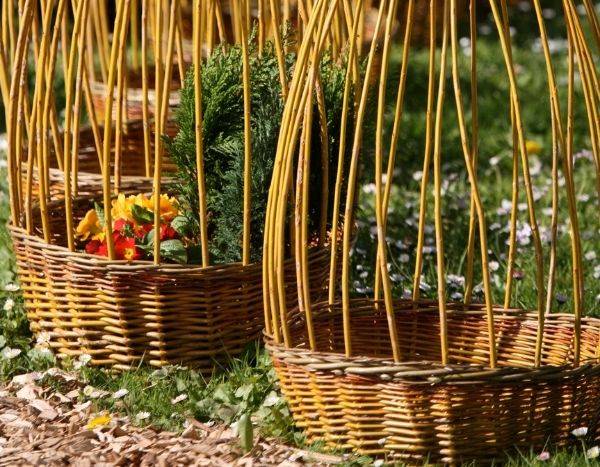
(428, 150)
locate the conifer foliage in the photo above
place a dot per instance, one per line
(223, 122)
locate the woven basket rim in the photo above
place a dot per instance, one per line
(430, 372)
(116, 265)
(124, 265)
(134, 94)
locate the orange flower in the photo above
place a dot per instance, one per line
(169, 207)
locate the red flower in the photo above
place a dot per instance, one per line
(102, 249)
(167, 232)
(125, 248)
(142, 230)
(93, 246)
(124, 227)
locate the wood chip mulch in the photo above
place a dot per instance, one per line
(41, 426)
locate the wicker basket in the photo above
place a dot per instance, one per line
(433, 381)
(121, 313)
(133, 103)
(420, 410)
(89, 176)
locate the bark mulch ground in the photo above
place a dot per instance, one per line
(41, 426)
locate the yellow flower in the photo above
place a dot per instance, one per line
(121, 207)
(533, 147)
(143, 201)
(89, 225)
(99, 421)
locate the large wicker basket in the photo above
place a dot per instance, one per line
(418, 410)
(417, 380)
(121, 313)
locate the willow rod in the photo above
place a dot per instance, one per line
(590, 85)
(577, 279)
(160, 123)
(273, 306)
(119, 20)
(339, 177)
(351, 189)
(301, 90)
(247, 212)
(119, 117)
(428, 150)
(437, 182)
(526, 177)
(80, 14)
(44, 111)
(474, 150)
(512, 240)
(279, 52)
(145, 109)
(79, 90)
(389, 175)
(14, 154)
(470, 164)
(301, 210)
(199, 137)
(381, 258)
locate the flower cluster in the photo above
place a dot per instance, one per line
(133, 229)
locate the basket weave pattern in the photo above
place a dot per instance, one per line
(417, 410)
(121, 313)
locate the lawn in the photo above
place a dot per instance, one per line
(165, 398)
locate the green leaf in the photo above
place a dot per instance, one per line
(2, 341)
(182, 226)
(142, 215)
(100, 211)
(174, 250)
(245, 432)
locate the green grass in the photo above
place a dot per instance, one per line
(247, 387)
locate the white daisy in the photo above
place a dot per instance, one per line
(179, 398)
(9, 353)
(120, 393)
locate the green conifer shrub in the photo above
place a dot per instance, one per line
(223, 120)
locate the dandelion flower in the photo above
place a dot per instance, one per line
(98, 421)
(494, 266)
(9, 304)
(533, 147)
